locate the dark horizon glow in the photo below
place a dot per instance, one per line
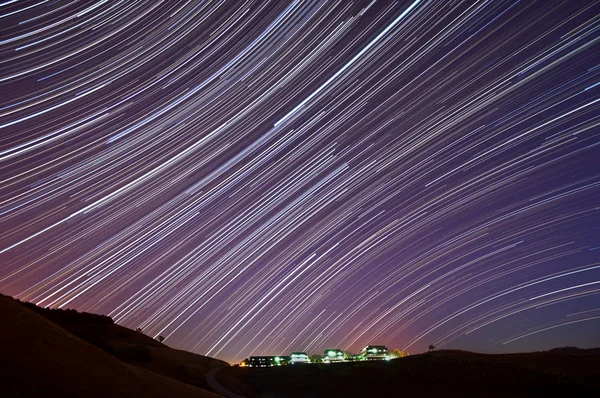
(261, 177)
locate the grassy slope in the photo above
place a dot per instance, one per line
(41, 359)
(143, 351)
(444, 373)
(181, 365)
(133, 347)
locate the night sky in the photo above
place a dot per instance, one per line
(261, 177)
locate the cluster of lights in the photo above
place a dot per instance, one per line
(331, 355)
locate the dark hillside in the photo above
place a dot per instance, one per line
(440, 373)
(131, 346)
(41, 359)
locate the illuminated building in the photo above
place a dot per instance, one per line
(261, 362)
(266, 361)
(333, 355)
(299, 357)
(374, 352)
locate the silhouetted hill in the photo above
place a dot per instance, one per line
(575, 351)
(138, 349)
(41, 359)
(131, 346)
(67, 316)
(436, 374)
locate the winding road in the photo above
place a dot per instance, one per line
(211, 379)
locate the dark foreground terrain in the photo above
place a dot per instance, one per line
(57, 353)
(64, 353)
(567, 373)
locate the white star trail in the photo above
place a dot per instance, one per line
(256, 177)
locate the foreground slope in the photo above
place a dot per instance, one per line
(41, 359)
(132, 346)
(444, 373)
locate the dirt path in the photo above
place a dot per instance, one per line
(211, 379)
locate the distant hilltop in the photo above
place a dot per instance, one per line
(575, 351)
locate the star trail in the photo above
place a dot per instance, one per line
(261, 177)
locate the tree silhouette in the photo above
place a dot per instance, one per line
(316, 359)
(431, 347)
(161, 339)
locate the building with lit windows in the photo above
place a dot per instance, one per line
(267, 361)
(299, 357)
(261, 362)
(374, 352)
(333, 355)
